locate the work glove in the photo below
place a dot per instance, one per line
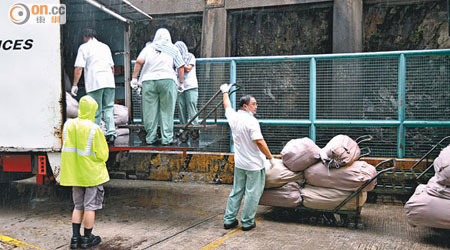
(180, 89)
(138, 91)
(273, 162)
(134, 83)
(74, 90)
(225, 87)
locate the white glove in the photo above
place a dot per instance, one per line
(74, 90)
(225, 87)
(134, 83)
(180, 89)
(139, 89)
(273, 162)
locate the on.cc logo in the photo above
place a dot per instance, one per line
(19, 13)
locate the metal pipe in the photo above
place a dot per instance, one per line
(232, 97)
(324, 56)
(112, 13)
(401, 106)
(312, 98)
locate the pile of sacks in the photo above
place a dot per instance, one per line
(120, 118)
(318, 178)
(430, 204)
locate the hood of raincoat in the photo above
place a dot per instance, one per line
(87, 108)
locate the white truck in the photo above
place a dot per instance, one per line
(35, 52)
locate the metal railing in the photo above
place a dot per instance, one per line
(401, 98)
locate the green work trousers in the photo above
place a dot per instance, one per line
(158, 106)
(187, 105)
(105, 100)
(252, 184)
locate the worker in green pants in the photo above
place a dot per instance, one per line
(158, 103)
(250, 153)
(158, 61)
(105, 100)
(95, 58)
(188, 92)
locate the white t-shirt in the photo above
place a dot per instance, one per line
(157, 66)
(190, 78)
(245, 129)
(96, 59)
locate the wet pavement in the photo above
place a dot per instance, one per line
(169, 215)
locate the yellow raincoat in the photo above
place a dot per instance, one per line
(85, 150)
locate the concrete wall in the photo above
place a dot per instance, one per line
(346, 33)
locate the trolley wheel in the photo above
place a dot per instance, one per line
(184, 136)
(142, 134)
(340, 219)
(195, 134)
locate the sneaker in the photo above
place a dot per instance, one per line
(90, 242)
(75, 242)
(231, 225)
(249, 227)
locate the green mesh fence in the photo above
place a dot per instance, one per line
(402, 98)
(357, 88)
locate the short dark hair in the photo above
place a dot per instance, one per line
(88, 32)
(245, 100)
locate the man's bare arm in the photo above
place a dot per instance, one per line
(77, 75)
(137, 67)
(262, 145)
(226, 101)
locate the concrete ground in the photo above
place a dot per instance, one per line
(168, 215)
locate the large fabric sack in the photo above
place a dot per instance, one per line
(122, 131)
(71, 106)
(279, 175)
(285, 196)
(348, 178)
(329, 198)
(299, 154)
(442, 167)
(120, 114)
(426, 210)
(122, 140)
(340, 151)
(437, 190)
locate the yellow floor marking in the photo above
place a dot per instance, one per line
(219, 242)
(17, 243)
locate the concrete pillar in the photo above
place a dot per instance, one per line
(214, 30)
(347, 26)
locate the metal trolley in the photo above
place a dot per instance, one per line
(338, 216)
(405, 180)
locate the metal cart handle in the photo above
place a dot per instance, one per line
(358, 191)
(206, 105)
(428, 153)
(366, 153)
(363, 138)
(220, 103)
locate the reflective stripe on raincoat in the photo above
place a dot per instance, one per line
(85, 151)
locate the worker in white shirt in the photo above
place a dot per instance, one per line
(251, 152)
(188, 92)
(96, 60)
(159, 60)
